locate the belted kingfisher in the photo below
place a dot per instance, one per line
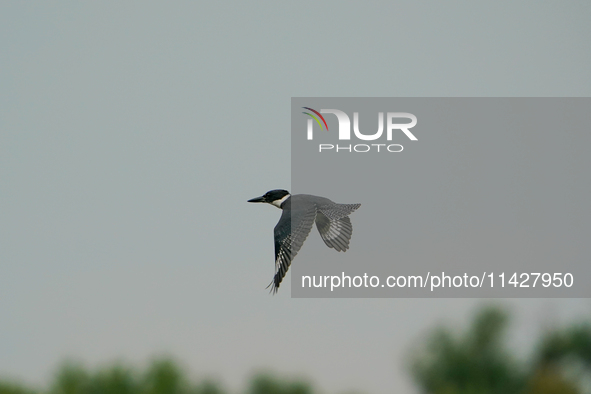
(300, 211)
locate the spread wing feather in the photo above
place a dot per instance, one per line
(337, 211)
(290, 233)
(336, 234)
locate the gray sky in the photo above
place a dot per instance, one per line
(131, 136)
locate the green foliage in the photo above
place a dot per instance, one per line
(477, 361)
(557, 345)
(163, 376)
(71, 379)
(472, 362)
(208, 387)
(266, 384)
(13, 388)
(550, 381)
(114, 380)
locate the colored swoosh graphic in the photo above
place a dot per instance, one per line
(317, 113)
(315, 118)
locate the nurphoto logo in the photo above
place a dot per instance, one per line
(344, 132)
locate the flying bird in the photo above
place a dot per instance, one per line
(300, 211)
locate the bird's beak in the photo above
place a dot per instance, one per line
(257, 199)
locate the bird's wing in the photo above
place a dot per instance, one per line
(335, 233)
(335, 211)
(290, 233)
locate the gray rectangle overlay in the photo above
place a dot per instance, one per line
(460, 197)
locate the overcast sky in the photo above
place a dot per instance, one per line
(132, 134)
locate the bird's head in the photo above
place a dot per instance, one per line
(273, 197)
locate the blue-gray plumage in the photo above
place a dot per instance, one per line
(300, 211)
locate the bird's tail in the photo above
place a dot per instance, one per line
(274, 286)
